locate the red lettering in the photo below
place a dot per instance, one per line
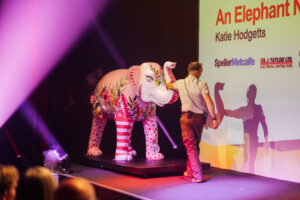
(256, 15)
(220, 17)
(237, 14)
(296, 5)
(228, 17)
(264, 8)
(278, 10)
(272, 13)
(249, 15)
(244, 13)
(287, 4)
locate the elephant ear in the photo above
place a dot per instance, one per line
(134, 77)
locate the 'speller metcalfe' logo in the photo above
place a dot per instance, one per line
(276, 62)
(234, 62)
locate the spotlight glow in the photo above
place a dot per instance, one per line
(34, 35)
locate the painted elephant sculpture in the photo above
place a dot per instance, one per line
(129, 95)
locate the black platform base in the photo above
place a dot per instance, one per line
(139, 167)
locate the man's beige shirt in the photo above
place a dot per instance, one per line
(190, 92)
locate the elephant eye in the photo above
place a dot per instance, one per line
(149, 78)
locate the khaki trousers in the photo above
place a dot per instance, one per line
(191, 134)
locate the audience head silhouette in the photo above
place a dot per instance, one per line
(9, 177)
(75, 189)
(38, 183)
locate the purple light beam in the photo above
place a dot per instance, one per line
(33, 118)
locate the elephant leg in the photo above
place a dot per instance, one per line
(95, 136)
(124, 128)
(151, 136)
(131, 151)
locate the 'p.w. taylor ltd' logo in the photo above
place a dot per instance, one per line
(276, 62)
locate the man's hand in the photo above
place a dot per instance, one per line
(215, 124)
(210, 123)
(170, 86)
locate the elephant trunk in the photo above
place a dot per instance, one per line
(168, 67)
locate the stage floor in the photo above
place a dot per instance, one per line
(220, 184)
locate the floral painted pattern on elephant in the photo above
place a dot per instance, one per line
(111, 102)
(106, 98)
(159, 76)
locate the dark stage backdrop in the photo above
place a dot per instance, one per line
(127, 33)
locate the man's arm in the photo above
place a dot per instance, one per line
(211, 108)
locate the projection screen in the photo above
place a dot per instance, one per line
(252, 46)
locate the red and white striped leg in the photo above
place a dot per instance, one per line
(131, 151)
(95, 136)
(124, 128)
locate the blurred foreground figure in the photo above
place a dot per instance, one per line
(38, 183)
(9, 177)
(75, 189)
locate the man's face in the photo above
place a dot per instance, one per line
(199, 72)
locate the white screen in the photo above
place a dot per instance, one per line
(277, 81)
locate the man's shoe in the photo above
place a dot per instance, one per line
(197, 180)
(186, 174)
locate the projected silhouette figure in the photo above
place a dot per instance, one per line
(251, 114)
(219, 103)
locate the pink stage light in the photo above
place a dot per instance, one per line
(34, 36)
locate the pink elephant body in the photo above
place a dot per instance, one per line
(129, 95)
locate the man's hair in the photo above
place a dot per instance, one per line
(8, 174)
(194, 66)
